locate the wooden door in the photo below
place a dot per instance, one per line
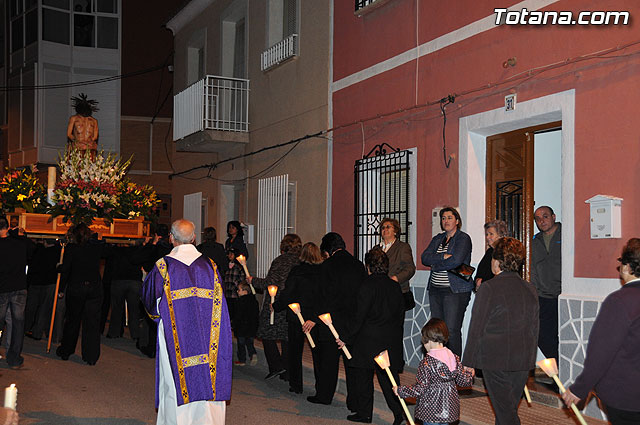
(509, 184)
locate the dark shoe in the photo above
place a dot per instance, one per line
(294, 390)
(112, 337)
(90, 363)
(284, 376)
(357, 418)
(316, 400)
(60, 354)
(398, 421)
(272, 375)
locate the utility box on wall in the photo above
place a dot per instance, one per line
(605, 216)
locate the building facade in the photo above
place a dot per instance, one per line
(499, 114)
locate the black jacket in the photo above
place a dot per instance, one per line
(378, 323)
(16, 252)
(246, 316)
(216, 252)
(302, 287)
(81, 263)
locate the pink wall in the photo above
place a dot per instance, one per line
(606, 127)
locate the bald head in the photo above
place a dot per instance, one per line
(182, 232)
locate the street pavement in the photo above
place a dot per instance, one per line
(119, 390)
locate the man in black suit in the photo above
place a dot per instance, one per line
(214, 250)
(341, 276)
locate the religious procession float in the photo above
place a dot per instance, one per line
(91, 188)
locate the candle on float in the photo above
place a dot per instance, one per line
(51, 183)
(326, 319)
(243, 262)
(273, 290)
(11, 397)
(295, 307)
(383, 361)
(550, 367)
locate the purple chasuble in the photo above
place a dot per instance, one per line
(197, 329)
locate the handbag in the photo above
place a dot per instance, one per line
(464, 271)
(409, 301)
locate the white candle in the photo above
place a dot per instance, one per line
(296, 309)
(11, 397)
(383, 361)
(326, 319)
(243, 262)
(273, 289)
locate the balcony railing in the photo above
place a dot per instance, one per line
(361, 4)
(213, 103)
(279, 52)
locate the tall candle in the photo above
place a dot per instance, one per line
(295, 307)
(243, 262)
(383, 361)
(273, 289)
(11, 397)
(326, 319)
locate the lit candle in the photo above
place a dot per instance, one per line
(326, 319)
(11, 397)
(273, 289)
(550, 367)
(243, 262)
(295, 307)
(383, 361)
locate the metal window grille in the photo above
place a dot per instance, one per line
(381, 190)
(279, 52)
(361, 4)
(272, 219)
(509, 206)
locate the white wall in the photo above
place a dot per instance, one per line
(547, 171)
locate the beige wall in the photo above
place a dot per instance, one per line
(285, 103)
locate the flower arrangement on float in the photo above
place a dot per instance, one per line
(20, 189)
(136, 201)
(87, 188)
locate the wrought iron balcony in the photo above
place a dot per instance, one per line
(213, 103)
(279, 52)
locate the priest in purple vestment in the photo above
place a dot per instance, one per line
(183, 293)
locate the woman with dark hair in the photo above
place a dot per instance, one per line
(214, 250)
(377, 327)
(493, 230)
(302, 287)
(82, 288)
(503, 335)
(449, 294)
(613, 353)
(401, 265)
(235, 238)
(277, 360)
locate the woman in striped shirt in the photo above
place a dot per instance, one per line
(449, 294)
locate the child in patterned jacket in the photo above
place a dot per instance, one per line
(437, 401)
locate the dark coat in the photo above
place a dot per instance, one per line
(401, 263)
(546, 266)
(302, 287)
(16, 254)
(613, 353)
(378, 323)
(484, 268)
(277, 275)
(216, 252)
(503, 334)
(238, 245)
(460, 250)
(81, 263)
(245, 323)
(341, 276)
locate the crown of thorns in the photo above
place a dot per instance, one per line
(83, 105)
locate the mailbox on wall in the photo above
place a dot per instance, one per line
(605, 216)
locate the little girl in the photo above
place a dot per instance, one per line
(437, 401)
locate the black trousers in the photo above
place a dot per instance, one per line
(296, 347)
(122, 290)
(83, 306)
(38, 311)
(622, 417)
(276, 359)
(505, 391)
(325, 369)
(362, 391)
(548, 335)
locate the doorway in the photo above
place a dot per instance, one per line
(523, 172)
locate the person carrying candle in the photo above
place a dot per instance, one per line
(613, 353)
(503, 333)
(184, 294)
(377, 326)
(302, 287)
(437, 400)
(277, 360)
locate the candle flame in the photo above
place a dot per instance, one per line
(326, 318)
(383, 359)
(273, 289)
(549, 366)
(295, 307)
